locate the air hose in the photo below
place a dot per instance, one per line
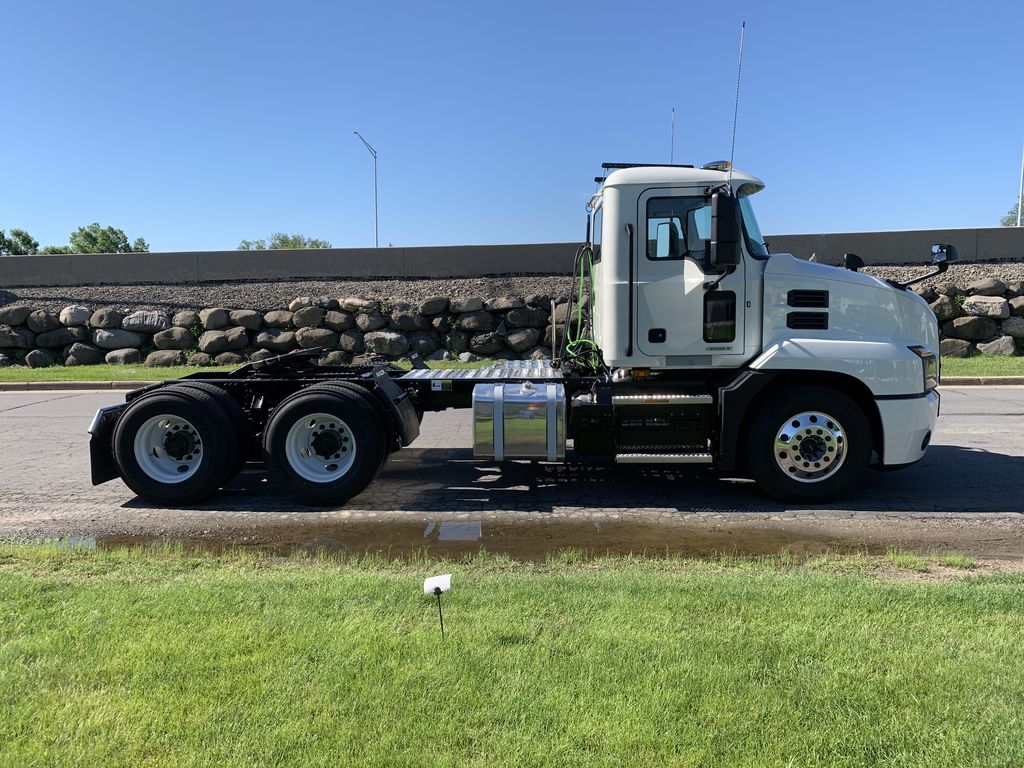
(578, 345)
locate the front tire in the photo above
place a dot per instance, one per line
(324, 446)
(809, 444)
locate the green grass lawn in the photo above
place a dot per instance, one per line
(981, 365)
(162, 658)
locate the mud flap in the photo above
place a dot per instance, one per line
(400, 405)
(101, 442)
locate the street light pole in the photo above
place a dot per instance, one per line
(376, 235)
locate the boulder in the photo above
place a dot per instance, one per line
(537, 353)
(214, 318)
(61, 337)
(539, 301)
(75, 315)
(440, 355)
(1017, 306)
(987, 286)
(522, 339)
(360, 304)
(300, 302)
(987, 306)
(187, 318)
(527, 317)
(1011, 326)
(308, 317)
(5, 360)
(106, 318)
(405, 319)
(261, 354)
(199, 359)
(116, 338)
(16, 315)
(213, 342)
(475, 321)
(457, 342)
(351, 341)
(486, 343)
(278, 318)
(469, 357)
(1004, 346)
(237, 338)
(249, 319)
(40, 358)
(146, 321)
(950, 289)
(1014, 288)
(370, 321)
(423, 342)
(165, 358)
(42, 320)
(335, 358)
(970, 328)
(503, 303)
(18, 338)
(928, 294)
(945, 308)
(386, 343)
(84, 354)
(331, 305)
(955, 348)
(559, 337)
(228, 358)
(336, 320)
(174, 338)
(276, 340)
(473, 304)
(433, 305)
(442, 323)
(126, 356)
(316, 337)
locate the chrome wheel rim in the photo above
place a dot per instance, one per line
(320, 448)
(168, 448)
(810, 447)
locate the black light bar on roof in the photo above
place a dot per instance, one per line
(608, 166)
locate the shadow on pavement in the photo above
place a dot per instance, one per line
(949, 480)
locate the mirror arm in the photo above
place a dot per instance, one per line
(713, 284)
(939, 269)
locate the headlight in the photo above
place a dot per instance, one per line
(929, 366)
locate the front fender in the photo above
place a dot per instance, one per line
(885, 367)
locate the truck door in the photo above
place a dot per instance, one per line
(675, 316)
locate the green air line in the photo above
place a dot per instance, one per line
(577, 344)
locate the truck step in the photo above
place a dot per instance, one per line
(657, 399)
(663, 458)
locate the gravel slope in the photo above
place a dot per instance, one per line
(268, 295)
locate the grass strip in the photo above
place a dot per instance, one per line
(133, 657)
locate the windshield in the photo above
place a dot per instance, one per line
(751, 231)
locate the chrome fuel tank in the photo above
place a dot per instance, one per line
(519, 421)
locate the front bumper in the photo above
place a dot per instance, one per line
(907, 426)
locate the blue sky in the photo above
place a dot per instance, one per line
(198, 124)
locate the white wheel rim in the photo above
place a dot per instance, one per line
(810, 447)
(320, 448)
(168, 449)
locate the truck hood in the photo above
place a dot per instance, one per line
(859, 306)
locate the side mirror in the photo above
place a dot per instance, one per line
(725, 230)
(943, 254)
(853, 262)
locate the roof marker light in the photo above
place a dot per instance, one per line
(717, 165)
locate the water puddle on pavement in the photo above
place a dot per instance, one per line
(527, 541)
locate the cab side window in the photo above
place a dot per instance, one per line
(677, 227)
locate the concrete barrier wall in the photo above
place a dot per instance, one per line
(910, 247)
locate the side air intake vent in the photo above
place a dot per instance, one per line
(807, 321)
(808, 299)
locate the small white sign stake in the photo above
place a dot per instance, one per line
(437, 585)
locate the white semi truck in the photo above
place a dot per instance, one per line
(686, 342)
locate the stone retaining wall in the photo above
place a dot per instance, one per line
(986, 316)
(353, 329)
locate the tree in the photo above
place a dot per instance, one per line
(1010, 219)
(280, 240)
(51, 249)
(19, 243)
(97, 239)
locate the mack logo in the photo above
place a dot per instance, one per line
(717, 349)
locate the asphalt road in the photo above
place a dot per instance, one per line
(969, 488)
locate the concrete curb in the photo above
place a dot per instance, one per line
(50, 386)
